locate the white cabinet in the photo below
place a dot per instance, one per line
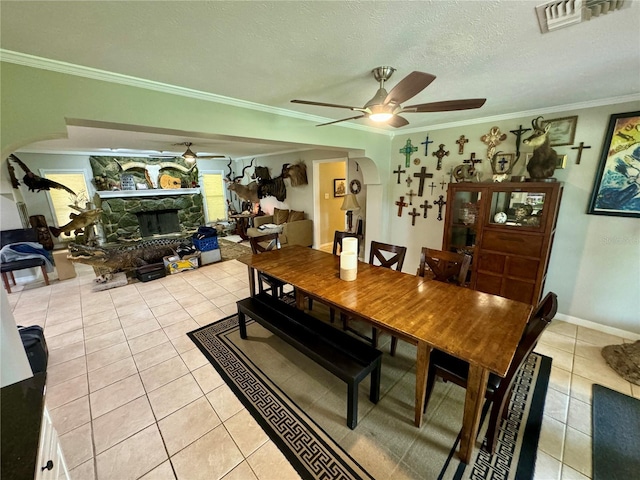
(50, 464)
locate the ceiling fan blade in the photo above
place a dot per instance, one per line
(397, 121)
(409, 86)
(320, 104)
(342, 120)
(211, 156)
(446, 106)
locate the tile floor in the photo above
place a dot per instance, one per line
(131, 397)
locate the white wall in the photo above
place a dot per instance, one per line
(595, 261)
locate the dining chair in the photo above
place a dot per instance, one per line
(382, 255)
(265, 243)
(450, 368)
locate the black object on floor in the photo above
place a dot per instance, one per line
(616, 435)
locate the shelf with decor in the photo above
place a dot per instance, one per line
(508, 229)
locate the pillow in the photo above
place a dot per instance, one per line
(280, 216)
(295, 216)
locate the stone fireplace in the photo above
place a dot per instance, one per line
(133, 214)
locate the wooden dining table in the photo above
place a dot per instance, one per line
(477, 327)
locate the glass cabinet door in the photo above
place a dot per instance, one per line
(464, 221)
(517, 208)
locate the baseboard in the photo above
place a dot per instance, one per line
(598, 326)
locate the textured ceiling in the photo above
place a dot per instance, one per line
(271, 52)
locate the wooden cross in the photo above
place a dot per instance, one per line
(443, 183)
(401, 203)
(432, 186)
(414, 214)
(407, 150)
(398, 171)
(461, 141)
(440, 153)
(580, 147)
(411, 195)
(425, 206)
(473, 160)
(518, 133)
(426, 144)
(441, 203)
(492, 140)
(422, 175)
(409, 180)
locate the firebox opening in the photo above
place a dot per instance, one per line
(158, 222)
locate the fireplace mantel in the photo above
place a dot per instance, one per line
(153, 192)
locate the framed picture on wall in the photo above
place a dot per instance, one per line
(616, 190)
(562, 131)
(339, 187)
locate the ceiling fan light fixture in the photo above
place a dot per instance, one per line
(381, 113)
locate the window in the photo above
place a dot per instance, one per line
(215, 199)
(61, 199)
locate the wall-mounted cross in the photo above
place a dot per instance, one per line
(461, 141)
(409, 180)
(407, 150)
(414, 214)
(432, 186)
(425, 206)
(518, 133)
(440, 153)
(426, 144)
(492, 140)
(441, 203)
(422, 175)
(580, 147)
(398, 171)
(401, 203)
(410, 195)
(473, 160)
(503, 161)
(443, 183)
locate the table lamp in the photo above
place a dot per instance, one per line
(350, 203)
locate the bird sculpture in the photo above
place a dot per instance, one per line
(35, 182)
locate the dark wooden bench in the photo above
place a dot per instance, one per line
(341, 354)
(16, 236)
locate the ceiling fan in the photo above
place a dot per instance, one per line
(386, 107)
(189, 155)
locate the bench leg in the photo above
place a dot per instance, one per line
(5, 280)
(44, 274)
(13, 278)
(352, 405)
(394, 346)
(374, 391)
(242, 323)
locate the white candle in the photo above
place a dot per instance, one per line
(348, 266)
(350, 244)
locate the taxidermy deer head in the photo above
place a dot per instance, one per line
(544, 159)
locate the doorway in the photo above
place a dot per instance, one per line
(328, 176)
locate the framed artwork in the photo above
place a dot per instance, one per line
(562, 130)
(503, 162)
(560, 164)
(616, 190)
(339, 187)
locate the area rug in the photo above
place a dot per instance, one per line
(230, 250)
(616, 435)
(302, 407)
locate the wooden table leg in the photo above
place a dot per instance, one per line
(299, 299)
(422, 368)
(474, 399)
(252, 282)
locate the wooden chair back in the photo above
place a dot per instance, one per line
(394, 261)
(339, 236)
(264, 243)
(448, 267)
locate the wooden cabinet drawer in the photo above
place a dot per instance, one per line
(488, 283)
(524, 268)
(515, 243)
(491, 262)
(520, 291)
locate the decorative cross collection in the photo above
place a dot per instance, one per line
(414, 214)
(441, 203)
(461, 141)
(440, 153)
(407, 150)
(399, 172)
(411, 195)
(422, 176)
(580, 147)
(425, 206)
(401, 203)
(426, 145)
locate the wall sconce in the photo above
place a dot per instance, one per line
(350, 203)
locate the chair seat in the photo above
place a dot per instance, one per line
(20, 264)
(460, 369)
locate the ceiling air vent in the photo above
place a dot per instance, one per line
(563, 13)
